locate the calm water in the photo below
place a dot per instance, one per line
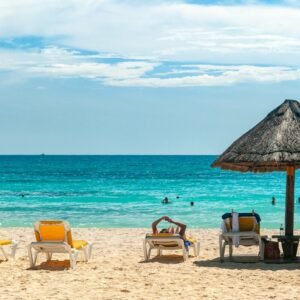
(126, 191)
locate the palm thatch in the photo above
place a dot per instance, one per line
(272, 145)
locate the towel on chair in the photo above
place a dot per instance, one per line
(235, 228)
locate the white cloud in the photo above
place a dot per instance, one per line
(237, 34)
(223, 75)
(61, 63)
(231, 41)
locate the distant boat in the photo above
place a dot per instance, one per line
(43, 154)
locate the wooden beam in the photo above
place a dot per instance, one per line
(289, 200)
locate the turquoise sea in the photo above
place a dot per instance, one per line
(126, 191)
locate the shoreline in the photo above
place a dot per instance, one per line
(296, 229)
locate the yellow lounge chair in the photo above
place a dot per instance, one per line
(167, 241)
(248, 234)
(8, 243)
(56, 237)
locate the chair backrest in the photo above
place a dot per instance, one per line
(247, 222)
(53, 231)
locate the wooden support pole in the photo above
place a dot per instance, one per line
(289, 200)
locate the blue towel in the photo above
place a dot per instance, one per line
(228, 215)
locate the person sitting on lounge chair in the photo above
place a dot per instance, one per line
(169, 239)
(181, 228)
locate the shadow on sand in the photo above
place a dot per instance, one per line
(165, 259)
(53, 265)
(246, 263)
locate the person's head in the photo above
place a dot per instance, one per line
(164, 230)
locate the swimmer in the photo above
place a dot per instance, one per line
(273, 200)
(166, 201)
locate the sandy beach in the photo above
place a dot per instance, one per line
(117, 271)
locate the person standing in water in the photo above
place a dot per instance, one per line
(273, 200)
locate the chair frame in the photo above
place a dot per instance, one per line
(247, 238)
(50, 247)
(156, 242)
(13, 246)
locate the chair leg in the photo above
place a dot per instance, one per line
(90, 248)
(14, 249)
(149, 253)
(48, 256)
(261, 249)
(230, 251)
(198, 248)
(185, 254)
(73, 259)
(223, 251)
(145, 249)
(221, 248)
(35, 257)
(85, 253)
(4, 253)
(29, 249)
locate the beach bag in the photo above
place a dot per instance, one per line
(271, 250)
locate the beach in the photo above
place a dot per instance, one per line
(117, 270)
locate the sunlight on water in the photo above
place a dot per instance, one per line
(126, 191)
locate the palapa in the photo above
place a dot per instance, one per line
(272, 145)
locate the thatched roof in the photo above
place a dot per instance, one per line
(271, 145)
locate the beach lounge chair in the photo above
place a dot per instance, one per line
(11, 244)
(167, 241)
(248, 233)
(56, 237)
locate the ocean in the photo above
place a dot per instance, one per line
(127, 191)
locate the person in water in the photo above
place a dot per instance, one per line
(192, 203)
(166, 201)
(181, 228)
(273, 201)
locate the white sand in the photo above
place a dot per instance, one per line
(118, 271)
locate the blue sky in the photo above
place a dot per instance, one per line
(142, 77)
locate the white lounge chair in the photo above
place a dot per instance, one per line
(166, 241)
(248, 234)
(11, 244)
(56, 237)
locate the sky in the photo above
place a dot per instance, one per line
(142, 77)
